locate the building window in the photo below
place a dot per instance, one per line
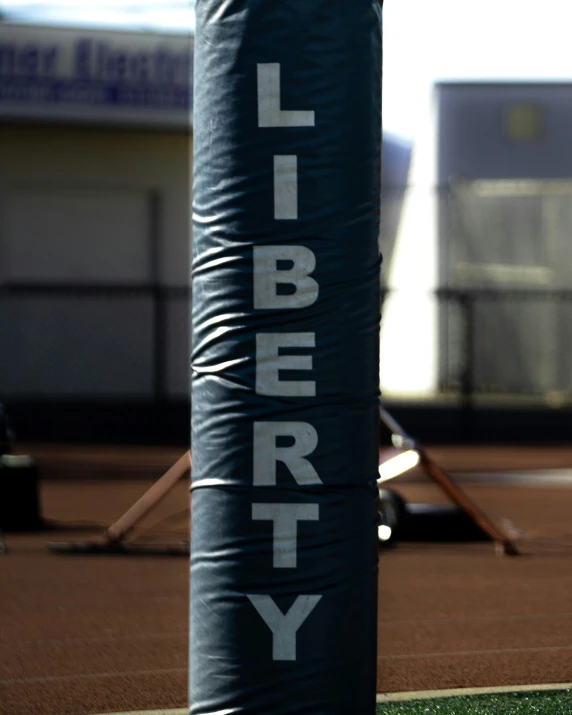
(523, 122)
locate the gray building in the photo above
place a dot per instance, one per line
(95, 163)
(95, 225)
(505, 223)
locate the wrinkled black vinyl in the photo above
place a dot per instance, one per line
(329, 53)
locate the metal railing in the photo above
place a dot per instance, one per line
(117, 341)
(504, 345)
(90, 341)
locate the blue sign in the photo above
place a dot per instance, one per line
(117, 71)
(89, 92)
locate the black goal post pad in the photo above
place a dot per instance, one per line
(285, 343)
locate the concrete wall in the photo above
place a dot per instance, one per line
(97, 206)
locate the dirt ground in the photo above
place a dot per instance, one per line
(88, 634)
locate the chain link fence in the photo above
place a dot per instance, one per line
(94, 342)
(130, 342)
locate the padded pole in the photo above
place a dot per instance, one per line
(285, 373)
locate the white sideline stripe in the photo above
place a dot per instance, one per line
(465, 692)
(403, 697)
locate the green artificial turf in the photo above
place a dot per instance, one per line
(549, 702)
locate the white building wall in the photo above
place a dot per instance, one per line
(409, 334)
(84, 205)
(106, 170)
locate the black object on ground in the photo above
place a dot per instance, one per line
(437, 523)
(19, 494)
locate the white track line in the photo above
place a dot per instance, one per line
(522, 478)
(94, 639)
(469, 619)
(90, 676)
(458, 653)
(465, 692)
(533, 477)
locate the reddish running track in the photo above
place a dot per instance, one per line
(90, 634)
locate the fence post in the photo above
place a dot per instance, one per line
(467, 301)
(159, 345)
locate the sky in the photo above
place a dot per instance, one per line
(424, 40)
(434, 40)
(161, 15)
